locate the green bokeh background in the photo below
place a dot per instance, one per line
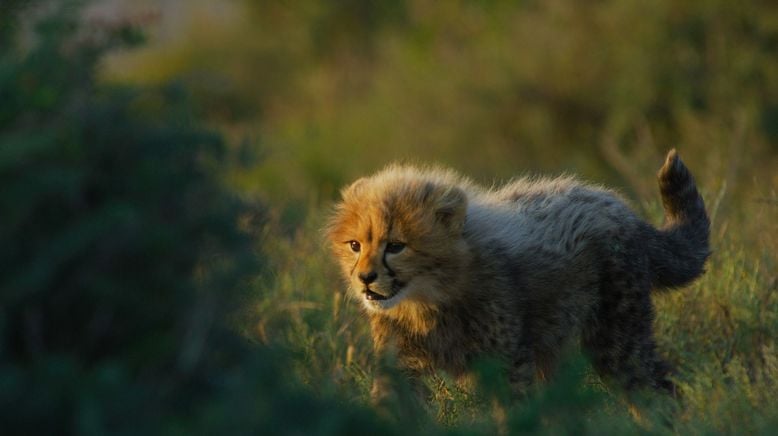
(166, 169)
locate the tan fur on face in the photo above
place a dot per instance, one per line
(515, 272)
(427, 214)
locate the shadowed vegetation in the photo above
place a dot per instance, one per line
(162, 205)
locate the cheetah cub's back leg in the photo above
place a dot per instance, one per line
(620, 341)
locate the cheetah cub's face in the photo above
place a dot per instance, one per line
(398, 240)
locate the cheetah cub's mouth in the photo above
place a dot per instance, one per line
(370, 295)
(382, 301)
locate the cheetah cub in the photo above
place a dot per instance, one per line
(448, 271)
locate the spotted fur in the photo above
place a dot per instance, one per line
(449, 271)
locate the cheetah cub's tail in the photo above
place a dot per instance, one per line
(680, 248)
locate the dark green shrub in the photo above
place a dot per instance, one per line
(121, 253)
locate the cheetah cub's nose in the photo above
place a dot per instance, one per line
(368, 278)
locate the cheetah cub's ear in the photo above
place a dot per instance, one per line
(450, 205)
(353, 189)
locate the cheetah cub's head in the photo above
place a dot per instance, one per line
(398, 238)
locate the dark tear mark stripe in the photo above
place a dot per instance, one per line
(355, 264)
(386, 265)
(389, 270)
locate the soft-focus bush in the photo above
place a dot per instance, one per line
(122, 252)
(122, 255)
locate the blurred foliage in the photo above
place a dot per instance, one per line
(132, 248)
(122, 257)
(494, 88)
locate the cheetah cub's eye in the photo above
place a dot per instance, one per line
(355, 247)
(394, 247)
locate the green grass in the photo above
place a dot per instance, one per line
(720, 333)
